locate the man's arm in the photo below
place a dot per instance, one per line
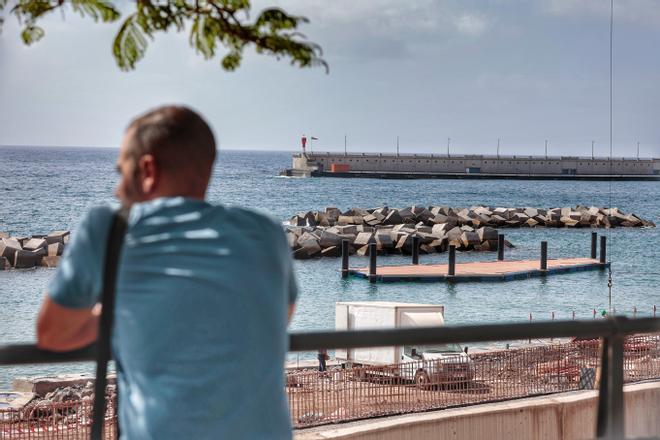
(292, 308)
(63, 328)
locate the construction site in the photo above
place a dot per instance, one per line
(343, 394)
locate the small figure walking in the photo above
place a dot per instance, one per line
(322, 356)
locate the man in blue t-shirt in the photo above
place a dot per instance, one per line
(204, 294)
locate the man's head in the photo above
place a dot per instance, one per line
(167, 152)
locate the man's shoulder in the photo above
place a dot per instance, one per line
(98, 217)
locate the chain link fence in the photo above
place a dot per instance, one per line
(344, 394)
(47, 420)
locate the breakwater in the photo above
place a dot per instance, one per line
(472, 166)
(319, 233)
(32, 251)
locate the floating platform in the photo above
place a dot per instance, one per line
(480, 271)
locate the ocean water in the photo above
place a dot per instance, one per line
(44, 189)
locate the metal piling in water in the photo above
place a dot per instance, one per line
(372, 262)
(344, 258)
(500, 247)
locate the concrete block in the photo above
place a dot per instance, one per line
(26, 259)
(393, 218)
(14, 401)
(309, 243)
(454, 233)
(348, 229)
(301, 254)
(42, 385)
(332, 251)
(487, 233)
(530, 223)
(423, 228)
(440, 244)
(427, 249)
(56, 249)
(332, 213)
(4, 263)
(329, 239)
(363, 238)
(297, 220)
(384, 240)
(531, 212)
(321, 219)
(291, 239)
(310, 219)
(8, 247)
(56, 236)
(4, 235)
(50, 261)
(404, 244)
(497, 220)
(406, 213)
(439, 229)
(372, 220)
(470, 239)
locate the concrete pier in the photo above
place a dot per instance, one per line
(443, 166)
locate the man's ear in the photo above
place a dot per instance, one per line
(149, 173)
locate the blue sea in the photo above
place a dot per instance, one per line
(44, 189)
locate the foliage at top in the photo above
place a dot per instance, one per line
(213, 24)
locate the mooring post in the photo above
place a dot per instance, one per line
(451, 270)
(344, 258)
(544, 255)
(415, 250)
(603, 249)
(500, 247)
(372, 262)
(594, 245)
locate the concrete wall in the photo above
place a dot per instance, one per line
(486, 164)
(559, 416)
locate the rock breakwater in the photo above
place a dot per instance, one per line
(319, 233)
(36, 250)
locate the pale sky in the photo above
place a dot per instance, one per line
(426, 70)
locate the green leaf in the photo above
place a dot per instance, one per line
(97, 9)
(130, 44)
(215, 24)
(32, 34)
(231, 61)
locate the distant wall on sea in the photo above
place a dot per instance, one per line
(478, 164)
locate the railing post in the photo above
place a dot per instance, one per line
(500, 247)
(603, 249)
(451, 269)
(344, 258)
(544, 255)
(372, 262)
(594, 245)
(610, 396)
(415, 250)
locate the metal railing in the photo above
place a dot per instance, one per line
(610, 418)
(346, 392)
(459, 156)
